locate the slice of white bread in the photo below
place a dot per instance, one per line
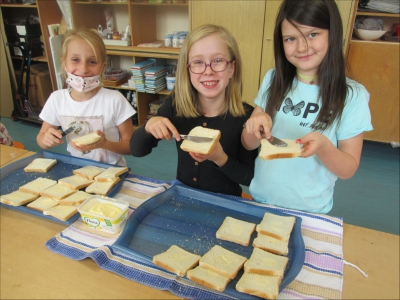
(208, 278)
(87, 139)
(37, 185)
(265, 263)
(88, 172)
(101, 188)
(75, 199)
(176, 260)
(61, 212)
(263, 286)
(271, 244)
(75, 182)
(111, 173)
(57, 192)
(17, 198)
(236, 231)
(269, 151)
(205, 147)
(42, 203)
(222, 261)
(41, 165)
(276, 226)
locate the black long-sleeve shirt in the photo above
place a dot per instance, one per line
(239, 169)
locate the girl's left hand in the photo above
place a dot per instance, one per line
(217, 156)
(96, 145)
(313, 143)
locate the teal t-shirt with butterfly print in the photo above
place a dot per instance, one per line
(305, 183)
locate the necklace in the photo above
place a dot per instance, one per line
(305, 77)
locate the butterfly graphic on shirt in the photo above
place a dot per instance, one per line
(295, 109)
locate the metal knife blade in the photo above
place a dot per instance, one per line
(277, 142)
(196, 139)
(273, 140)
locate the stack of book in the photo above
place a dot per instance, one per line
(138, 71)
(155, 79)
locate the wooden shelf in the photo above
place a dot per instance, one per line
(18, 5)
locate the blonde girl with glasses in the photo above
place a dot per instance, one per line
(208, 93)
(308, 98)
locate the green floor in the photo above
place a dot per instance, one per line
(369, 199)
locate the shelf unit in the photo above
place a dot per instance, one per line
(375, 64)
(148, 23)
(48, 12)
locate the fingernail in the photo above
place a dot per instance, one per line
(298, 141)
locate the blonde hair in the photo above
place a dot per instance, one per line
(185, 95)
(91, 37)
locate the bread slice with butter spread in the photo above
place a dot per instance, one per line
(277, 226)
(236, 231)
(222, 261)
(208, 278)
(176, 260)
(41, 165)
(37, 185)
(264, 286)
(271, 244)
(266, 263)
(269, 151)
(18, 198)
(204, 147)
(88, 172)
(87, 139)
(61, 212)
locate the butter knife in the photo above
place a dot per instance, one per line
(196, 139)
(74, 127)
(273, 140)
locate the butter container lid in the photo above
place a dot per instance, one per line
(103, 207)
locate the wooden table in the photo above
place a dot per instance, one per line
(9, 154)
(30, 271)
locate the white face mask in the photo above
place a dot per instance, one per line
(83, 84)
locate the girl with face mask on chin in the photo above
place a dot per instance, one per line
(94, 108)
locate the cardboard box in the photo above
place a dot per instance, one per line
(40, 86)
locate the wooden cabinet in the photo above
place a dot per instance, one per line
(48, 13)
(148, 23)
(375, 64)
(252, 23)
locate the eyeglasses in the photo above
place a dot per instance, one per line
(217, 65)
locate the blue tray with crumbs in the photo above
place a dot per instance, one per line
(13, 176)
(189, 218)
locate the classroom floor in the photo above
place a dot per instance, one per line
(370, 199)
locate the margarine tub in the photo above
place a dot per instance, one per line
(103, 213)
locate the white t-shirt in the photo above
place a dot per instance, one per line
(105, 111)
(305, 183)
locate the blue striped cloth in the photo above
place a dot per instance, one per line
(321, 276)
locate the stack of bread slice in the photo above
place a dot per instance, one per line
(106, 180)
(265, 269)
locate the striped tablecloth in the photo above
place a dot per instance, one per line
(321, 276)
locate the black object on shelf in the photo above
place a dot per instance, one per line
(22, 107)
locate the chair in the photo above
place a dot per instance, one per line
(18, 145)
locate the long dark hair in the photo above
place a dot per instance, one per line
(331, 75)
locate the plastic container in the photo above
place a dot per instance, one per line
(181, 40)
(168, 40)
(175, 41)
(170, 82)
(99, 221)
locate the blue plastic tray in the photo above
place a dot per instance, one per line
(13, 176)
(189, 218)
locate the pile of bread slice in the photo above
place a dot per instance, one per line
(61, 198)
(263, 271)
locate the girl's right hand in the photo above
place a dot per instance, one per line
(162, 128)
(52, 137)
(259, 124)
